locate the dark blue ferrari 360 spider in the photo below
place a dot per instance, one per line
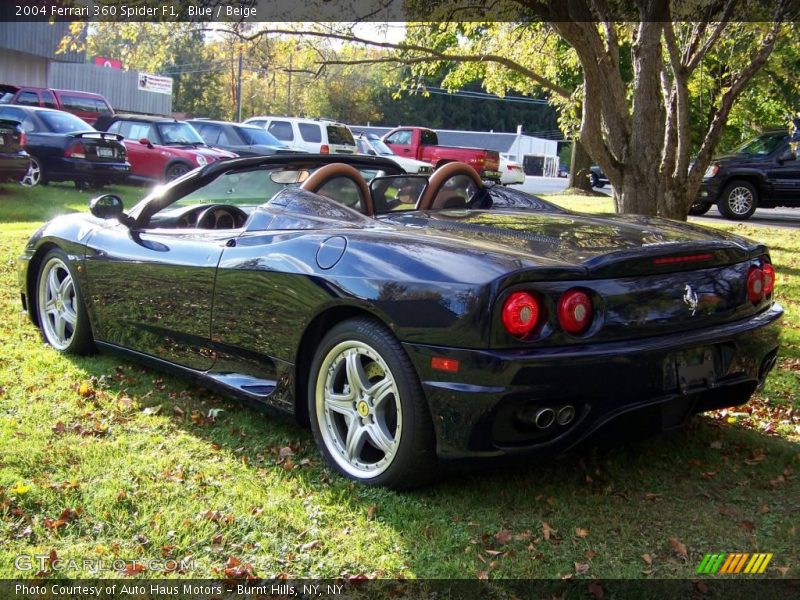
(408, 319)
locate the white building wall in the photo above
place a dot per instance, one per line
(17, 68)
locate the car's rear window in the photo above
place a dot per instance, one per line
(339, 134)
(63, 122)
(255, 135)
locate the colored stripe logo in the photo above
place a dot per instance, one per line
(733, 563)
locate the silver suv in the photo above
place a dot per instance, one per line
(319, 136)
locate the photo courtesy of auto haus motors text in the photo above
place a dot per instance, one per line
(134, 590)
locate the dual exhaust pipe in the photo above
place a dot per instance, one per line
(546, 417)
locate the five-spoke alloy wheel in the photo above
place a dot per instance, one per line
(60, 309)
(367, 411)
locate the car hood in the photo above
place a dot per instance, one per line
(591, 242)
(740, 159)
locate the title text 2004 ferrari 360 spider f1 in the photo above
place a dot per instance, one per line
(408, 319)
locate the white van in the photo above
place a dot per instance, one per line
(319, 136)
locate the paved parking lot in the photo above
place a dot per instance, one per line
(771, 217)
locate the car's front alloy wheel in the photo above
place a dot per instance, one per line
(60, 308)
(367, 410)
(738, 201)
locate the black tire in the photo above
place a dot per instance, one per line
(409, 461)
(738, 201)
(700, 208)
(175, 170)
(68, 303)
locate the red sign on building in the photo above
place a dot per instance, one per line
(111, 63)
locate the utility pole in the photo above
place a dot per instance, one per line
(289, 94)
(239, 91)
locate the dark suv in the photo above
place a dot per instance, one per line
(762, 173)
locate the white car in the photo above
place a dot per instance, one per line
(369, 143)
(318, 136)
(511, 173)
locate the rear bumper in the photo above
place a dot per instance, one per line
(487, 408)
(68, 169)
(13, 167)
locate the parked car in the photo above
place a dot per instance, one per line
(319, 136)
(86, 105)
(402, 337)
(244, 140)
(511, 172)
(63, 147)
(423, 144)
(160, 148)
(597, 177)
(563, 170)
(372, 145)
(14, 161)
(762, 173)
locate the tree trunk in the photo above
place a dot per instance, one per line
(579, 168)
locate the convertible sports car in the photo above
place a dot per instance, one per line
(408, 319)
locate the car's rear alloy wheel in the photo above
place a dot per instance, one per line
(61, 311)
(367, 410)
(739, 201)
(35, 174)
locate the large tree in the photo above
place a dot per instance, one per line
(631, 99)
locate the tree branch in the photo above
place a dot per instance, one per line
(430, 54)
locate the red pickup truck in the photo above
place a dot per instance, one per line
(423, 144)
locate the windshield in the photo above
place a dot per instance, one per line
(380, 147)
(63, 122)
(762, 145)
(6, 97)
(254, 135)
(177, 134)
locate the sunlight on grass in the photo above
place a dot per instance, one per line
(102, 458)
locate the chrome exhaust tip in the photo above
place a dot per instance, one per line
(566, 414)
(544, 418)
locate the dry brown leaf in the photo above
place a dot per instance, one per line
(483, 574)
(647, 558)
(581, 533)
(503, 537)
(679, 548)
(596, 590)
(547, 531)
(590, 554)
(747, 525)
(312, 545)
(581, 568)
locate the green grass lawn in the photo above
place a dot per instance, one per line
(101, 458)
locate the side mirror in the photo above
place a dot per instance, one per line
(109, 206)
(145, 142)
(787, 154)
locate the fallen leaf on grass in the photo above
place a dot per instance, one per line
(650, 497)
(548, 531)
(596, 590)
(312, 545)
(647, 558)
(590, 554)
(20, 489)
(679, 548)
(152, 410)
(178, 411)
(764, 509)
(503, 537)
(483, 574)
(581, 568)
(581, 533)
(747, 525)
(132, 569)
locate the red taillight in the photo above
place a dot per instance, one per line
(520, 313)
(449, 365)
(575, 311)
(23, 139)
(769, 278)
(671, 260)
(755, 285)
(324, 149)
(76, 150)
